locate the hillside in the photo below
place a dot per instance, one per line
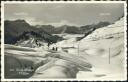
(33, 39)
(105, 51)
(15, 29)
(12, 29)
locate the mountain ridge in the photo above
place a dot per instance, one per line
(71, 29)
(15, 29)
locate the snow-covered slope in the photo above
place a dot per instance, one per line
(39, 63)
(69, 42)
(116, 28)
(22, 58)
(105, 49)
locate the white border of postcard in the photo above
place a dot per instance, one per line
(36, 2)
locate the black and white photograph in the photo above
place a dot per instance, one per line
(63, 40)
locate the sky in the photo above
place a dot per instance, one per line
(57, 14)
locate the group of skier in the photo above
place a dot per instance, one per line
(53, 48)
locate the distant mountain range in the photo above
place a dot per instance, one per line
(71, 29)
(14, 30)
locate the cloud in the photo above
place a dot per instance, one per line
(21, 14)
(63, 22)
(33, 21)
(105, 14)
(60, 14)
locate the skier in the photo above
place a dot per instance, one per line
(56, 48)
(53, 48)
(48, 45)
